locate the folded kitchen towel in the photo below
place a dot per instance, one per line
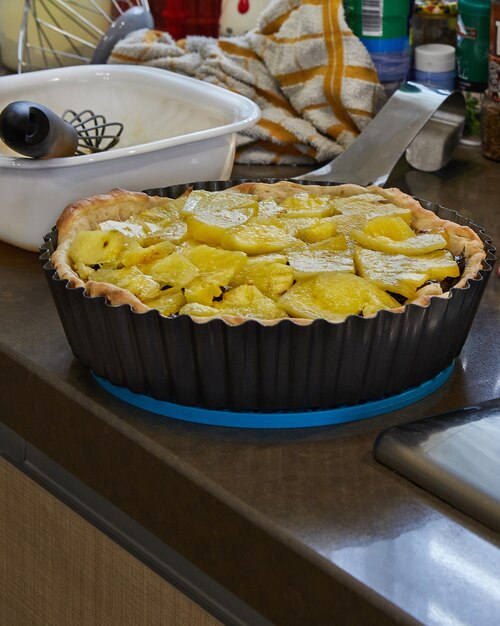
(313, 79)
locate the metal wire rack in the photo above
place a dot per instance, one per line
(56, 33)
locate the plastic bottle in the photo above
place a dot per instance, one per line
(383, 27)
(473, 24)
(435, 65)
(490, 115)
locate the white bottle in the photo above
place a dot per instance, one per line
(435, 65)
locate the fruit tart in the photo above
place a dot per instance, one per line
(265, 251)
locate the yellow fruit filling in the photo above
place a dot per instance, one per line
(402, 274)
(209, 254)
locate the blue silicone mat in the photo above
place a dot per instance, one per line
(301, 419)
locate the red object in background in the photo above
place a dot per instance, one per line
(243, 6)
(186, 17)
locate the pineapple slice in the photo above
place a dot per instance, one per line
(309, 205)
(84, 271)
(168, 302)
(338, 291)
(209, 214)
(188, 243)
(202, 290)
(162, 223)
(257, 236)
(135, 254)
(223, 263)
(165, 213)
(131, 278)
(269, 208)
(370, 205)
(272, 278)
(344, 224)
(334, 244)
(201, 201)
(147, 222)
(391, 226)
(198, 310)
(211, 225)
(128, 228)
(333, 296)
(299, 302)
(248, 301)
(331, 255)
(413, 246)
(174, 270)
(93, 247)
(294, 225)
(175, 231)
(404, 274)
(269, 257)
(318, 231)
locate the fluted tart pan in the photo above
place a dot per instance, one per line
(264, 368)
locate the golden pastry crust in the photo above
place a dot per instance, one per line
(87, 214)
(119, 204)
(116, 295)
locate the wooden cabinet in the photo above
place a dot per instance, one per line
(56, 569)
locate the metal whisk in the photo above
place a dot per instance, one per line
(56, 33)
(95, 134)
(34, 130)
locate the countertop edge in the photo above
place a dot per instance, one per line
(230, 526)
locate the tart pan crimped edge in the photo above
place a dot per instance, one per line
(252, 367)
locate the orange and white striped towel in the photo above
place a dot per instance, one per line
(312, 78)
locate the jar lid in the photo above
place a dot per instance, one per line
(435, 57)
(436, 8)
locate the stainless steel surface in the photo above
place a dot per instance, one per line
(453, 455)
(373, 155)
(433, 147)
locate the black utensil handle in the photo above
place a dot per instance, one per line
(34, 130)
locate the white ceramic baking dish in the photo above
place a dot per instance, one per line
(176, 130)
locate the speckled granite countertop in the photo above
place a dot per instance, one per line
(304, 525)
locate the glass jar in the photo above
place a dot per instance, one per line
(434, 21)
(490, 110)
(490, 127)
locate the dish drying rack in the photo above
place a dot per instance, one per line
(57, 33)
